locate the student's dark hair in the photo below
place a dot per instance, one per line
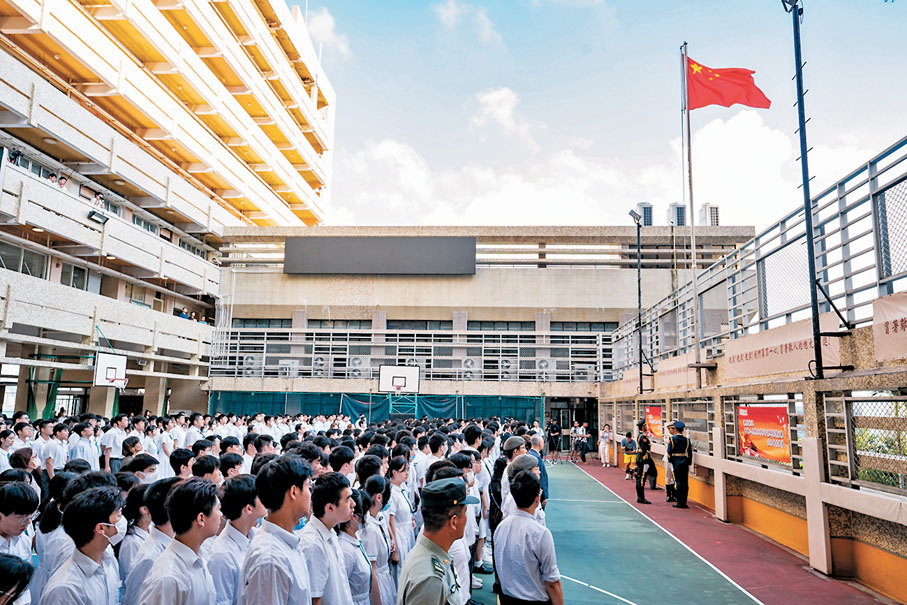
(204, 465)
(237, 492)
(21, 457)
(461, 460)
(401, 450)
(524, 487)
(629, 435)
(135, 500)
(259, 461)
(140, 463)
(471, 433)
(201, 444)
(228, 461)
(398, 464)
(432, 471)
(193, 417)
(15, 574)
(248, 440)
(422, 442)
(367, 466)
(20, 426)
(446, 472)
(436, 441)
(18, 498)
(156, 496)
(51, 515)
(339, 456)
(60, 427)
(126, 481)
(228, 442)
(179, 458)
(327, 490)
(5, 433)
(77, 429)
(87, 510)
(85, 482)
(77, 466)
(276, 478)
(375, 485)
(187, 499)
(321, 441)
(361, 503)
(261, 441)
(378, 450)
(116, 419)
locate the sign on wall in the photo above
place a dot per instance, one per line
(889, 326)
(653, 422)
(764, 432)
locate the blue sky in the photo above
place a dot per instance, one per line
(568, 112)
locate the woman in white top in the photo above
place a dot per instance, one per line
(139, 518)
(376, 541)
(165, 445)
(6, 442)
(401, 523)
(604, 445)
(363, 585)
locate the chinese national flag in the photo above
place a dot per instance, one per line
(706, 86)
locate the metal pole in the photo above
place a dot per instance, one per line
(796, 12)
(686, 112)
(639, 296)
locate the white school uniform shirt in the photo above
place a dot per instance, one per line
(192, 435)
(358, 568)
(55, 450)
(132, 543)
(524, 554)
(84, 449)
(114, 439)
(225, 560)
(179, 436)
(81, 581)
(274, 570)
(178, 577)
(377, 547)
(4, 459)
(459, 554)
(327, 573)
(39, 446)
(149, 552)
(18, 444)
(246, 468)
(57, 548)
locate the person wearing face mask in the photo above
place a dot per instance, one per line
(376, 541)
(94, 521)
(243, 509)
(139, 519)
(143, 466)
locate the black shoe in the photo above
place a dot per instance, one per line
(681, 506)
(638, 501)
(472, 602)
(671, 500)
(484, 568)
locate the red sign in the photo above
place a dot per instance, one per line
(653, 422)
(764, 432)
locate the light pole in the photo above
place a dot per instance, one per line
(638, 220)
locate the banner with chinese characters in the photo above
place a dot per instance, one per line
(764, 432)
(675, 373)
(889, 326)
(781, 350)
(629, 383)
(653, 422)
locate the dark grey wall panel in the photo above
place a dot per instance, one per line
(380, 255)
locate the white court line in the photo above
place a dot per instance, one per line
(610, 594)
(595, 501)
(655, 523)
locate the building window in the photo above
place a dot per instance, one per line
(23, 261)
(343, 324)
(501, 326)
(136, 294)
(144, 224)
(262, 323)
(74, 277)
(583, 326)
(418, 324)
(193, 249)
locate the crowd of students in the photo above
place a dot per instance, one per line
(237, 509)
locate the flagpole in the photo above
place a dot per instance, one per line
(689, 144)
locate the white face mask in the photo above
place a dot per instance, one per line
(121, 526)
(470, 477)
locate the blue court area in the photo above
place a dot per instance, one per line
(608, 552)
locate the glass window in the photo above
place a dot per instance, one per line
(10, 256)
(79, 278)
(33, 264)
(144, 224)
(135, 294)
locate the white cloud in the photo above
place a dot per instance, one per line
(323, 30)
(740, 163)
(498, 106)
(452, 13)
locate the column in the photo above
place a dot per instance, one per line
(155, 398)
(101, 399)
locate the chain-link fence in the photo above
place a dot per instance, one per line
(699, 417)
(891, 206)
(783, 279)
(867, 438)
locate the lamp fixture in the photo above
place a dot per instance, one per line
(49, 141)
(37, 229)
(119, 182)
(98, 217)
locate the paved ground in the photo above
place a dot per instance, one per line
(611, 552)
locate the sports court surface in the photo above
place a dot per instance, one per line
(610, 552)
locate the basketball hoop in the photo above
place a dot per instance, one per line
(118, 383)
(397, 389)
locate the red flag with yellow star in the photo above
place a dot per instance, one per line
(706, 86)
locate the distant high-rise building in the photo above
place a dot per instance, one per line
(645, 211)
(677, 214)
(708, 215)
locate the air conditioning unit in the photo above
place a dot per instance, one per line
(472, 368)
(289, 368)
(508, 369)
(584, 373)
(422, 362)
(357, 367)
(545, 369)
(321, 366)
(251, 365)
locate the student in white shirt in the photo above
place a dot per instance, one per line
(165, 446)
(54, 454)
(401, 524)
(180, 576)
(331, 504)
(6, 443)
(376, 540)
(94, 521)
(194, 432)
(139, 519)
(159, 537)
(243, 509)
(275, 571)
(358, 566)
(18, 503)
(82, 448)
(25, 433)
(112, 443)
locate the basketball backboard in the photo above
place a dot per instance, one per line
(109, 370)
(398, 379)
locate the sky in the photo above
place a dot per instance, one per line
(567, 112)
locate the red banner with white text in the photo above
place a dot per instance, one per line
(764, 432)
(653, 422)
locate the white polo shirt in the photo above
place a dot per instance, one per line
(327, 572)
(275, 570)
(114, 439)
(84, 449)
(225, 561)
(178, 577)
(149, 552)
(524, 554)
(82, 581)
